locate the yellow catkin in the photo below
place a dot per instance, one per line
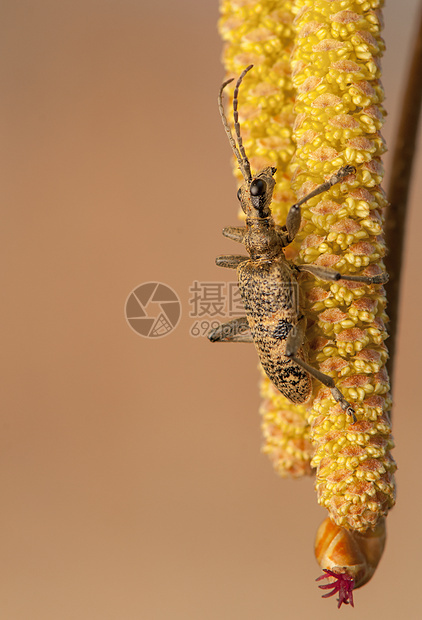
(262, 34)
(336, 71)
(338, 116)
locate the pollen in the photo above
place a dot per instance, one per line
(286, 432)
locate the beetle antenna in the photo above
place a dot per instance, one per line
(245, 165)
(226, 123)
(240, 154)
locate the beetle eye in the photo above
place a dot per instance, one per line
(239, 193)
(258, 187)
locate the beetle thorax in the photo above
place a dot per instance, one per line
(261, 239)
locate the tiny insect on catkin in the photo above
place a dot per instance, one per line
(339, 115)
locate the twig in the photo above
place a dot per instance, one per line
(398, 191)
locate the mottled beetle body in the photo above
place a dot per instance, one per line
(268, 281)
(269, 289)
(271, 320)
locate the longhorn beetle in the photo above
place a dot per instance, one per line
(268, 281)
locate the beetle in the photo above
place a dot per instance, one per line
(268, 281)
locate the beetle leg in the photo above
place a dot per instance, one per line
(237, 330)
(293, 343)
(294, 215)
(293, 220)
(231, 261)
(330, 275)
(236, 233)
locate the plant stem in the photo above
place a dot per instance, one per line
(398, 191)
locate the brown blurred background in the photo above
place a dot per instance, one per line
(132, 483)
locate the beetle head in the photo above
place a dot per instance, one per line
(255, 195)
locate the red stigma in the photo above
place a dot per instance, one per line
(343, 584)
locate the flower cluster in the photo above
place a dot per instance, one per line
(339, 115)
(263, 34)
(312, 104)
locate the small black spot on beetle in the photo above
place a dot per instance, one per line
(281, 331)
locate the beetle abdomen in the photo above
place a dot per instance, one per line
(268, 288)
(271, 296)
(270, 342)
